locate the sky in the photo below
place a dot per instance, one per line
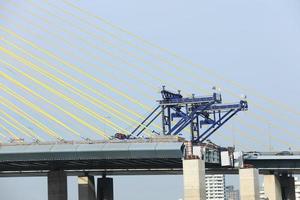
(240, 46)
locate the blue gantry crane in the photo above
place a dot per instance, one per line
(203, 114)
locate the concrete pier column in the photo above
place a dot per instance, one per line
(287, 187)
(272, 187)
(194, 179)
(105, 189)
(57, 185)
(86, 188)
(249, 184)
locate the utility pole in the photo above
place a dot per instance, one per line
(233, 135)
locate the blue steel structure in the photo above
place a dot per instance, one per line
(178, 112)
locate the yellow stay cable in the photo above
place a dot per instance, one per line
(5, 88)
(279, 140)
(39, 110)
(2, 135)
(61, 95)
(119, 115)
(284, 130)
(79, 70)
(16, 127)
(256, 128)
(106, 42)
(24, 128)
(95, 57)
(24, 115)
(202, 79)
(292, 110)
(78, 119)
(89, 88)
(193, 74)
(178, 67)
(9, 132)
(251, 137)
(111, 43)
(187, 81)
(166, 71)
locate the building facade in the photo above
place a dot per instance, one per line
(297, 188)
(215, 187)
(231, 193)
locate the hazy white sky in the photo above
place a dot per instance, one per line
(253, 43)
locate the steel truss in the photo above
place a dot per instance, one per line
(178, 112)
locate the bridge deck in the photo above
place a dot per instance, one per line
(275, 161)
(122, 158)
(101, 155)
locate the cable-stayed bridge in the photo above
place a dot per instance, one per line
(132, 157)
(56, 103)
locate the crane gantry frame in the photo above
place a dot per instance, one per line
(178, 112)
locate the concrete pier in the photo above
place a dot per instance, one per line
(105, 189)
(194, 179)
(57, 185)
(86, 188)
(249, 184)
(287, 187)
(279, 187)
(272, 187)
